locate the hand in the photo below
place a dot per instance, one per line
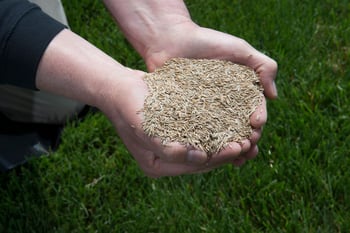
(188, 40)
(74, 68)
(160, 30)
(123, 109)
(191, 41)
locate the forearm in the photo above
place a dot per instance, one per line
(74, 68)
(144, 22)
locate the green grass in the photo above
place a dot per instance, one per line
(300, 182)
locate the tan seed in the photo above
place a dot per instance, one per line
(205, 103)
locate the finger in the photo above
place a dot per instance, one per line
(266, 68)
(239, 161)
(255, 136)
(185, 155)
(175, 152)
(172, 152)
(252, 153)
(196, 157)
(226, 155)
(259, 116)
(245, 145)
(161, 168)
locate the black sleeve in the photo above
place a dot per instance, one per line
(25, 32)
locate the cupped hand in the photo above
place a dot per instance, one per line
(123, 106)
(192, 41)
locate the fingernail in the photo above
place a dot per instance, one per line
(274, 89)
(196, 156)
(257, 118)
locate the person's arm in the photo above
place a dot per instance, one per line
(28, 35)
(67, 65)
(72, 67)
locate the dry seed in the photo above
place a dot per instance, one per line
(201, 102)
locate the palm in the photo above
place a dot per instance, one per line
(192, 41)
(154, 158)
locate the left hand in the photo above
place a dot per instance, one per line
(154, 158)
(191, 41)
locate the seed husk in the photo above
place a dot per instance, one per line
(205, 103)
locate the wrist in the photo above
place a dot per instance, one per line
(146, 22)
(118, 89)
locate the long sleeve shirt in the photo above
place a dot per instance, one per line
(25, 33)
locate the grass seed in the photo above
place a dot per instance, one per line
(205, 103)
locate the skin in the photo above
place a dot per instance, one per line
(158, 30)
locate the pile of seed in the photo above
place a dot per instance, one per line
(201, 102)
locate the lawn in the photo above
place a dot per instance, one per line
(300, 182)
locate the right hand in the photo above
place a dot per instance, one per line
(155, 159)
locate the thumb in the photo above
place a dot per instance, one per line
(266, 69)
(174, 152)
